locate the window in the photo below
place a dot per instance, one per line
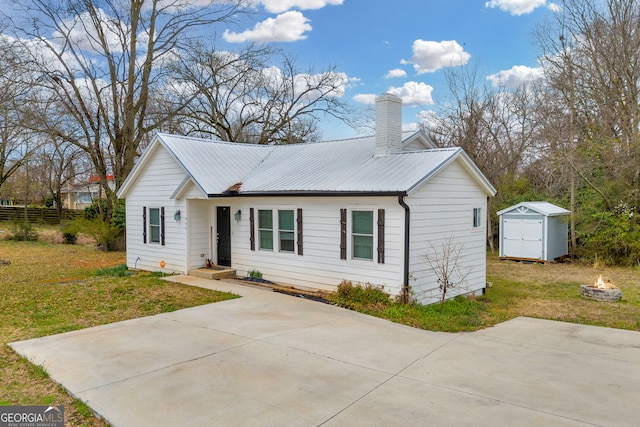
(362, 234)
(477, 217)
(154, 225)
(286, 231)
(285, 235)
(265, 229)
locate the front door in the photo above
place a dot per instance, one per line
(223, 227)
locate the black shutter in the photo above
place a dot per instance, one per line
(162, 226)
(144, 224)
(343, 234)
(380, 236)
(252, 230)
(299, 231)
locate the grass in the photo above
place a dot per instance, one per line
(550, 291)
(49, 288)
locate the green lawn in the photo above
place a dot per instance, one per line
(50, 288)
(550, 291)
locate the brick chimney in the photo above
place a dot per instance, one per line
(388, 124)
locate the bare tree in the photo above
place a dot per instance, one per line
(498, 127)
(592, 59)
(14, 92)
(446, 262)
(58, 163)
(103, 63)
(242, 97)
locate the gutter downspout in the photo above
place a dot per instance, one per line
(407, 228)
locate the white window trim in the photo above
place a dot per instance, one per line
(258, 229)
(293, 231)
(148, 225)
(350, 210)
(276, 230)
(482, 220)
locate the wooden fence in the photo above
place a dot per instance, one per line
(37, 215)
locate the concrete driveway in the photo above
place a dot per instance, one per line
(269, 359)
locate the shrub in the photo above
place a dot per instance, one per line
(70, 237)
(70, 233)
(23, 232)
(117, 271)
(105, 234)
(98, 210)
(255, 273)
(361, 294)
(614, 237)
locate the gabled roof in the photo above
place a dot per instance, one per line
(543, 208)
(334, 167)
(419, 137)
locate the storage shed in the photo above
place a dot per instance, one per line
(533, 231)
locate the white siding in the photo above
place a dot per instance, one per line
(320, 265)
(199, 233)
(557, 236)
(441, 208)
(153, 189)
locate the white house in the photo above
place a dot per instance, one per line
(311, 215)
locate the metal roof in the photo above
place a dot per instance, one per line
(342, 166)
(214, 166)
(543, 208)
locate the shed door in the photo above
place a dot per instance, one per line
(532, 239)
(512, 238)
(522, 238)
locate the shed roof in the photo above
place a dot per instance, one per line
(543, 208)
(341, 166)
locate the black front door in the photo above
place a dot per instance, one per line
(223, 228)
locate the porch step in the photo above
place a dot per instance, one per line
(214, 273)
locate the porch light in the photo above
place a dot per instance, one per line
(176, 216)
(238, 215)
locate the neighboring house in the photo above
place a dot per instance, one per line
(310, 215)
(81, 195)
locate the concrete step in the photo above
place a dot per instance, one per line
(214, 273)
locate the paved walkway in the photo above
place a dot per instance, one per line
(269, 359)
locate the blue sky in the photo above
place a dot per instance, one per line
(402, 46)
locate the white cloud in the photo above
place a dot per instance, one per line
(286, 27)
(82, 32)
(517, 76)
(365, 98)
(302, 82)
(279, 6)
(413, 93)
(554, 7)
(430, 56)
(519, 7)
(396, 72)
(428, 119)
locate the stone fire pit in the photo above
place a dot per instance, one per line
(601, 291)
